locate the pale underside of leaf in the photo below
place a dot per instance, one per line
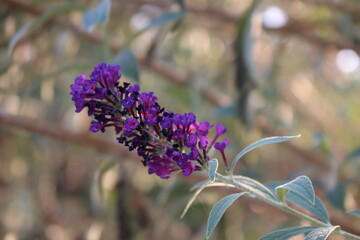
(129, 65)
(213, 165)
(320, 233)
(355, 212)
(286, 233)
(97, 15)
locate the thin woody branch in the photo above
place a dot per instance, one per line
(57, 132)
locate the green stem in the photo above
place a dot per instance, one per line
(282, 206)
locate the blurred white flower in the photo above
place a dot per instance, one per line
(347, 60)
(274, 17)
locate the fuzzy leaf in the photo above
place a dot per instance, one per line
(318, 209)
(129, 65)
(18, 35)
(286, 233)
(259, 143)
(300, 186)
(97, 15)
(165, 18)
(320, 233)
(218, 211)
(355, 212)
(213, 165)
(255, 186)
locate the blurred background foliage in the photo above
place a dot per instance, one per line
(261, 68)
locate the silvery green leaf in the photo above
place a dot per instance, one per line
(259, 143)
(321, 233)
(97, 15)
(255, 186)
(165, 18)
(218, 211)
(17, 36)
(318, 209)
(286, 233)
(355, 212)
(213, 165)
(128, 63)
(300, 186)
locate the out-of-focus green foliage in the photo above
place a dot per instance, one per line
(193, 55)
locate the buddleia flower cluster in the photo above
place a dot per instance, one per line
(167, 142)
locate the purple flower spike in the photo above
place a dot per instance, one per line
(220, 129)
(165, 141)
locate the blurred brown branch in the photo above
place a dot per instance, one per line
(57, 132)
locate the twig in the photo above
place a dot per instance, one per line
(60, 133)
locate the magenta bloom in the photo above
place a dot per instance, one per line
(220, 129)
(96, 126)
(165, 141)
(221, 147)
(130, 124)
